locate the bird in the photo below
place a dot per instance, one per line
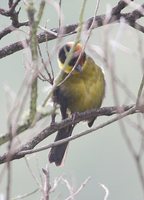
(82, 88)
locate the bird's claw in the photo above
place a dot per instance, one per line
(74, 115)
(53, 119)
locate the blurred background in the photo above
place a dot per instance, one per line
(104, 155)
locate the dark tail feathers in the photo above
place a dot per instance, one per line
(57, 153)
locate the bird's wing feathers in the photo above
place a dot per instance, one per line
(57, 153)
(58, 97)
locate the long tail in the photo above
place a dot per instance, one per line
(57, 153)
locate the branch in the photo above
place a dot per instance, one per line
(11, 11)
(119, 7)
(105, 111)
(34, 22)
(11, 28)
(13, 14)
(130, 18)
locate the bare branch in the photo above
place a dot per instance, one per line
(130, 19)
(119, 7)
(46, 186)
(11, 11)
(19, 197)
(13, 14)
(26, 148)
(74, 193)
(11, 28)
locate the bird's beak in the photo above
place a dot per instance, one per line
(78, 68)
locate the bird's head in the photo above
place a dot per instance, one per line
(77, 58)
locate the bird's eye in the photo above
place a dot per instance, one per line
(63, 53)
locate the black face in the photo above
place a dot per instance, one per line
(63, 54)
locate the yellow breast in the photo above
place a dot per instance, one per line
(85, 90)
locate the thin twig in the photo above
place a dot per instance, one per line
(72, 196)
(46, 186)
(19, 197)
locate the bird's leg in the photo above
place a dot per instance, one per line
(53, 115)
(74, 115)
(53, 118)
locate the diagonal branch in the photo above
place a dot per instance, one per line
(129, 18)
(13, 14)
(11, 28)
(11, 11)
(119, 7)
(105, 111)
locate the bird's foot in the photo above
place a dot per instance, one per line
(74, 116)
(53, 118)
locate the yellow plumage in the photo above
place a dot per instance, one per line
(83, 90)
